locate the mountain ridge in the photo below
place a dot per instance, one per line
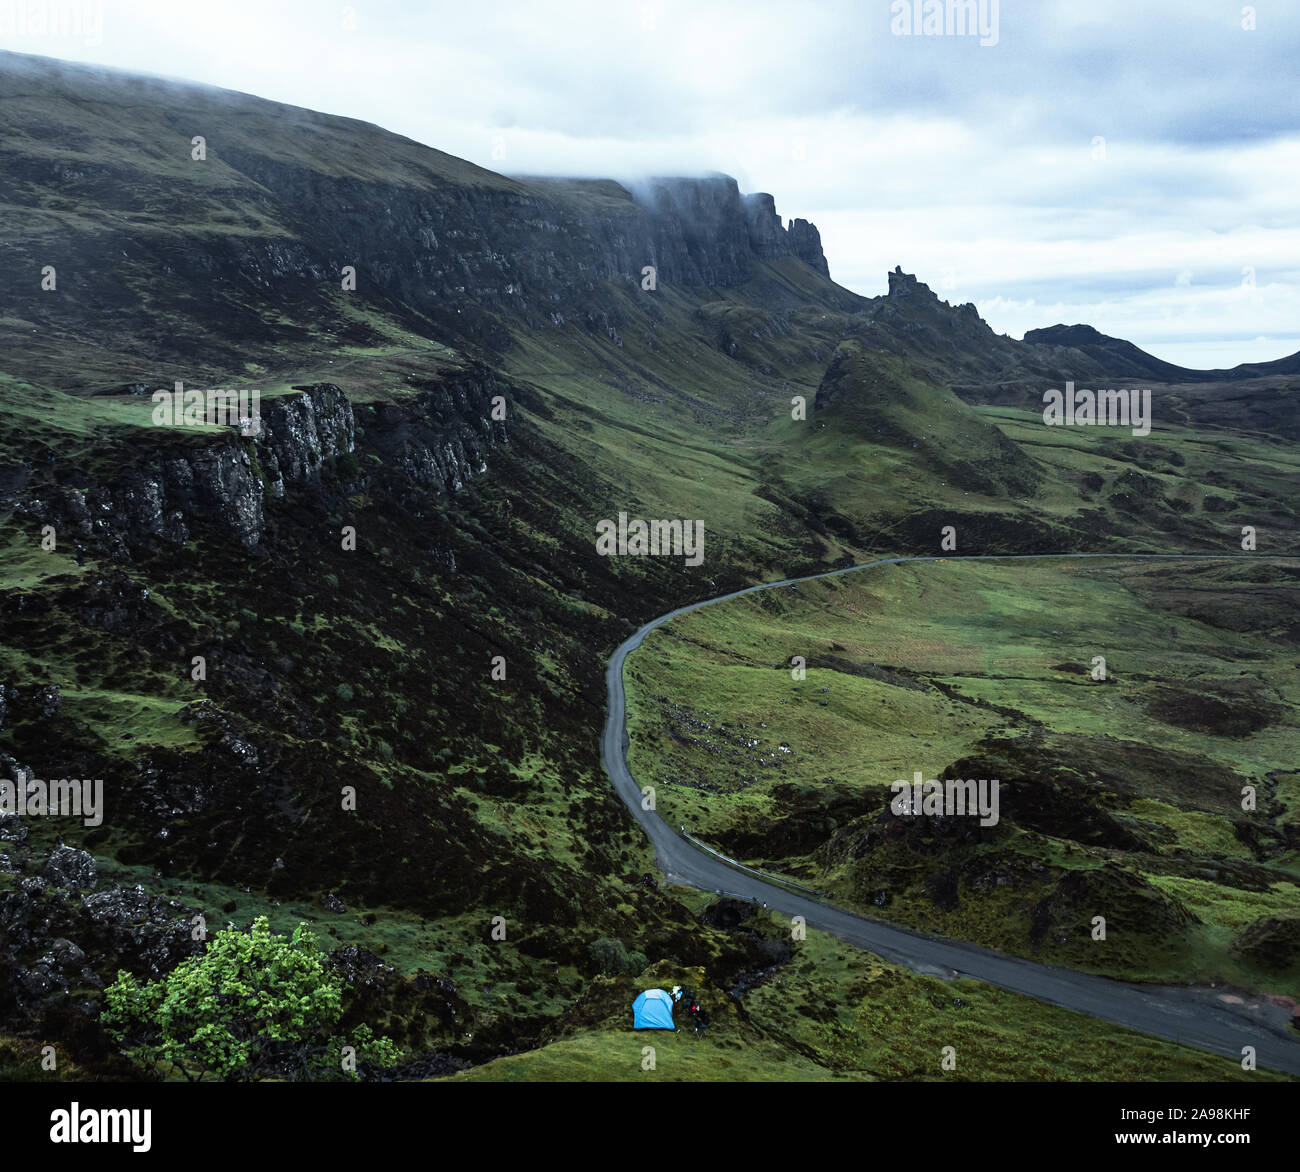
(287, 220)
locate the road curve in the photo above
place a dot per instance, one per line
(1193, 1016)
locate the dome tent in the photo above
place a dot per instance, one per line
(653, 1010)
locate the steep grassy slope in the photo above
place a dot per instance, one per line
(327, 667)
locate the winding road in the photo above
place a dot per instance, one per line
(1194, 1016)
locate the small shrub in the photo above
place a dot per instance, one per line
(609, 955)
(612, 958)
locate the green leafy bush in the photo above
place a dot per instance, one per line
(253, 1005)
(612, 958)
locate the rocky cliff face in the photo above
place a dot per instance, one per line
(442, 438)
(300, 431)
(289, 201)
(532, 251)
(769, 240)
(437, 439)
(806, 244)
(154, 498)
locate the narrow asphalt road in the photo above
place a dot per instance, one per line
(1194, 1016)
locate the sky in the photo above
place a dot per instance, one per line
(1130, 165)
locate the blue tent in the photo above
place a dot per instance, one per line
(653, 1010)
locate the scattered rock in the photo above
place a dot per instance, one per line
(70, 868)
(66, 953)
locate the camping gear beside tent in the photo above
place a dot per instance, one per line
(653, 1010)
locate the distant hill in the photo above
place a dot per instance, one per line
(1122, 359)
(879, 401)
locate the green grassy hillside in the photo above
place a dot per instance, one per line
(1121, 797)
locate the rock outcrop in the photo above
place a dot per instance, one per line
(300, 431)
(439, 437)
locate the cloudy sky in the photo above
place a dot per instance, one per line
(1131, 165)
